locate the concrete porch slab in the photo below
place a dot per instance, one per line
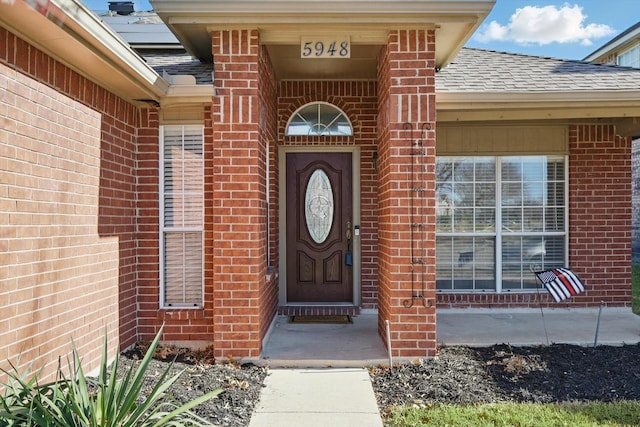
(324, 345)
(291, 345)
(520, 327)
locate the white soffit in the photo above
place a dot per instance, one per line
(282, 23)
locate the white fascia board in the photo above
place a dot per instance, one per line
(536, 98)
(356, 7)
(549, 105)
(107, 43)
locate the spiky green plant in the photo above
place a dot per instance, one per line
(105, 401)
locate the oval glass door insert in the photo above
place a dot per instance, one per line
(319, 206)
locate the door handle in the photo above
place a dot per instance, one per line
(348, 232)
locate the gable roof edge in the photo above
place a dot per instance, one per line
(621, 39)
(73, 35)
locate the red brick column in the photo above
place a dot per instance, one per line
(407, 95)
(600, 213)
(238, 227)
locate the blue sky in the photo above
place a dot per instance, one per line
(569, 30)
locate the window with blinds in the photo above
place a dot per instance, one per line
(497, 218)
(182, 215)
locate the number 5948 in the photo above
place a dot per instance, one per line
(325, 48)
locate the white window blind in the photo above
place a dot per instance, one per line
(182, 215)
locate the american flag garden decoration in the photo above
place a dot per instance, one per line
(561, 283)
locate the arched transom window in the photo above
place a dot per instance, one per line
(319, 119)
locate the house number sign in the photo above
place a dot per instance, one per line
(325, 47)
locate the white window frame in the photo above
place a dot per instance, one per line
(633, 53)
(177, 229)
(318, 121)
(499, 234)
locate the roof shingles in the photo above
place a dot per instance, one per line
(478, 70)
(181, 64)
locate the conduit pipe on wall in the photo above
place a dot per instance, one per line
(386, 322)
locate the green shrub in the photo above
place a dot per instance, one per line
(106, 401)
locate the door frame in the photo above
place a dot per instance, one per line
(282, 221)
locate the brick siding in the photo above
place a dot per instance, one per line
(67, 245)
(600, 213)
(79, 190)
(635, 166)
(268, 125)
(239, 221)
(406, 78)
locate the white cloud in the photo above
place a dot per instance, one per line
(545, 25)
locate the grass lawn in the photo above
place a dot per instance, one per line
(623, 413)
(635, 301)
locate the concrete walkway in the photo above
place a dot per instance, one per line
(326, 384)
(317, 398)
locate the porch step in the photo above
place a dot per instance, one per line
(319, 310)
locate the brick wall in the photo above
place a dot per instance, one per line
(600, 213)
(635, 167)
(66, 158)
(407, 268)
(268, 125)
(239, 194)
(358, 101)
(117, 215)
(191, 327)
(599, 226)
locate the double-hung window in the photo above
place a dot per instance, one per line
(497, 218)
(182, 216)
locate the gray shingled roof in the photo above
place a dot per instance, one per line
(478, 70)
(180, 63)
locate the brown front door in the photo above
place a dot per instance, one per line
(319, 227)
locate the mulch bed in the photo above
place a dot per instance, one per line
(501, 373)
(458, 375)
(240, 384)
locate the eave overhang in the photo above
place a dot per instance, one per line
(281, 23)
(70, 33)
(619, 107)
(188, 95)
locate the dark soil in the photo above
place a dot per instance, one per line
(458, 375)
(240, 384)
(501, 373)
